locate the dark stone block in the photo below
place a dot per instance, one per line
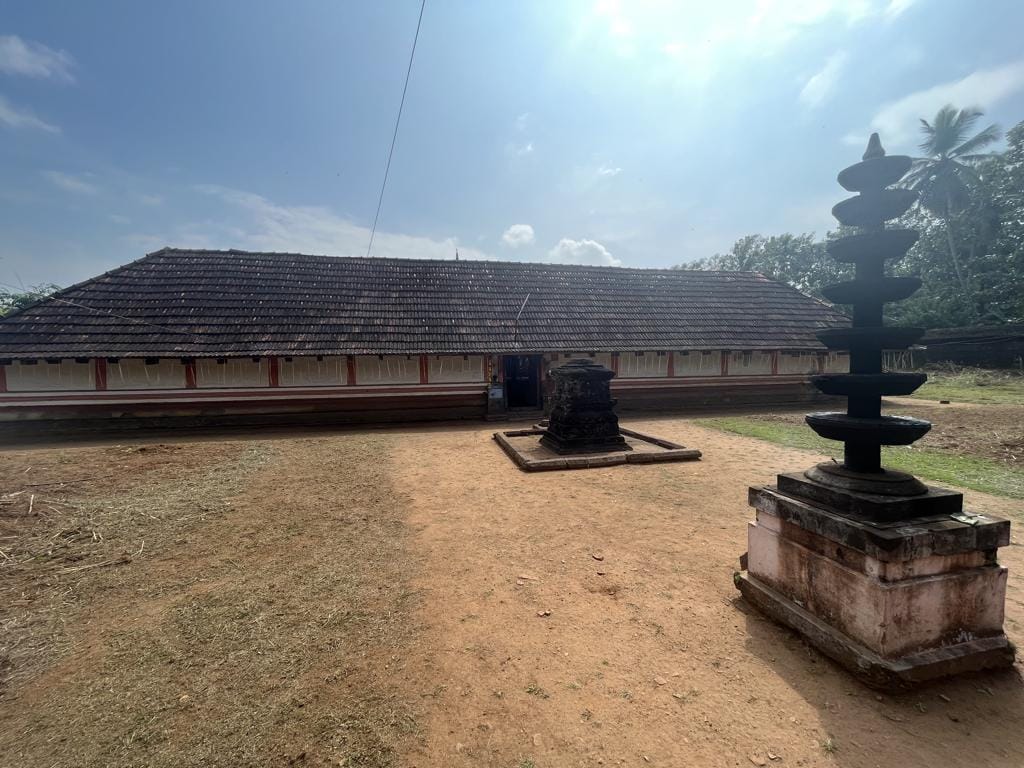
(873, 507)
(582, 419)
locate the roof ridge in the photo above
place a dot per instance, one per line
(418, 260)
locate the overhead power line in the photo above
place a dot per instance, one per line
(398, 120)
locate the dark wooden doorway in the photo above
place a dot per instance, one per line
(522, 381)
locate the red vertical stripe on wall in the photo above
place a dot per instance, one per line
(671, 364)
(3, 378)
(615, 362)
(275, 373)
(821, 362)
(190, 374)
(725, 362)
(501, 369)
(100, 364)
(350, 367)
(775, 362)
(424, 369)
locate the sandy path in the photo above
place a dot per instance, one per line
(647, 656)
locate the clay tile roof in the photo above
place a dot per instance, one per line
(233, 303)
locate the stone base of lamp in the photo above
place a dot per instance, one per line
(896, 603)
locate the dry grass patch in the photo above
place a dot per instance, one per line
(258, 624)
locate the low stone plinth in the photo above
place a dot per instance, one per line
(896, 603)
(526, 448)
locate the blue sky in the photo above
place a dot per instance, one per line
(633, 133)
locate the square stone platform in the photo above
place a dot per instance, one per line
(523, 446)
(896, 602)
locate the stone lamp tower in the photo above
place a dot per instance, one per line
(886, 575)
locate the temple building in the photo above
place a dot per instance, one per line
(213, 335)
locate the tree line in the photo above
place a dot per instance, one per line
(970, 216)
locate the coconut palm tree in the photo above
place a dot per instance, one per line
(945, 177)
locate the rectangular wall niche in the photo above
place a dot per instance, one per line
(561, 358)
(59, 376)
(133, 373)
(697, 363)
(454, 369)
(643, 365)
(750, 363)
(798, 362)
(232, 372)
(390, 369)
(312, 372)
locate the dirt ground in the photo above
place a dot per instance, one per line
(408, 597)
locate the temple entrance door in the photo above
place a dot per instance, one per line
(522, 381)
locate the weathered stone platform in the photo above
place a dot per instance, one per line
(525, 448)
(896, 603)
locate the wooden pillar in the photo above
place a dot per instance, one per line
(424, 369)
(725, 362)
(775, 362)
(100, 367)
(3, 375)
(190, 374)
(501, 369)
(821, 361)
(274, 378)
(615, 362)
(350, 367)
(671, 364)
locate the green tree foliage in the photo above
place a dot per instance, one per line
(12, 301)
(794, 259)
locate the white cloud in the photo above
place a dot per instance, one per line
(607, 171)
(819, 86)
(897, 121)
(13, 117)
(582, 252)
(517, 235)
(24, 57)
(523, 150)
(71, 183)
(268, 226)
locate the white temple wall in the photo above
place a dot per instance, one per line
(454, 369)
(312, 372)
(62, 376)
(750, 363)
(561, 358)
(798, 362)
(698, 363)
(643, 365)
(133, 373)
(837, 362)
(388, 369)
(232, 372)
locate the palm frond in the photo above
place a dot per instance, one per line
(981, 139)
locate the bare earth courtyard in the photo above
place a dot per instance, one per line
(409, 597)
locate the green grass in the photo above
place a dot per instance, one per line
(976, 473)
(973, 385)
